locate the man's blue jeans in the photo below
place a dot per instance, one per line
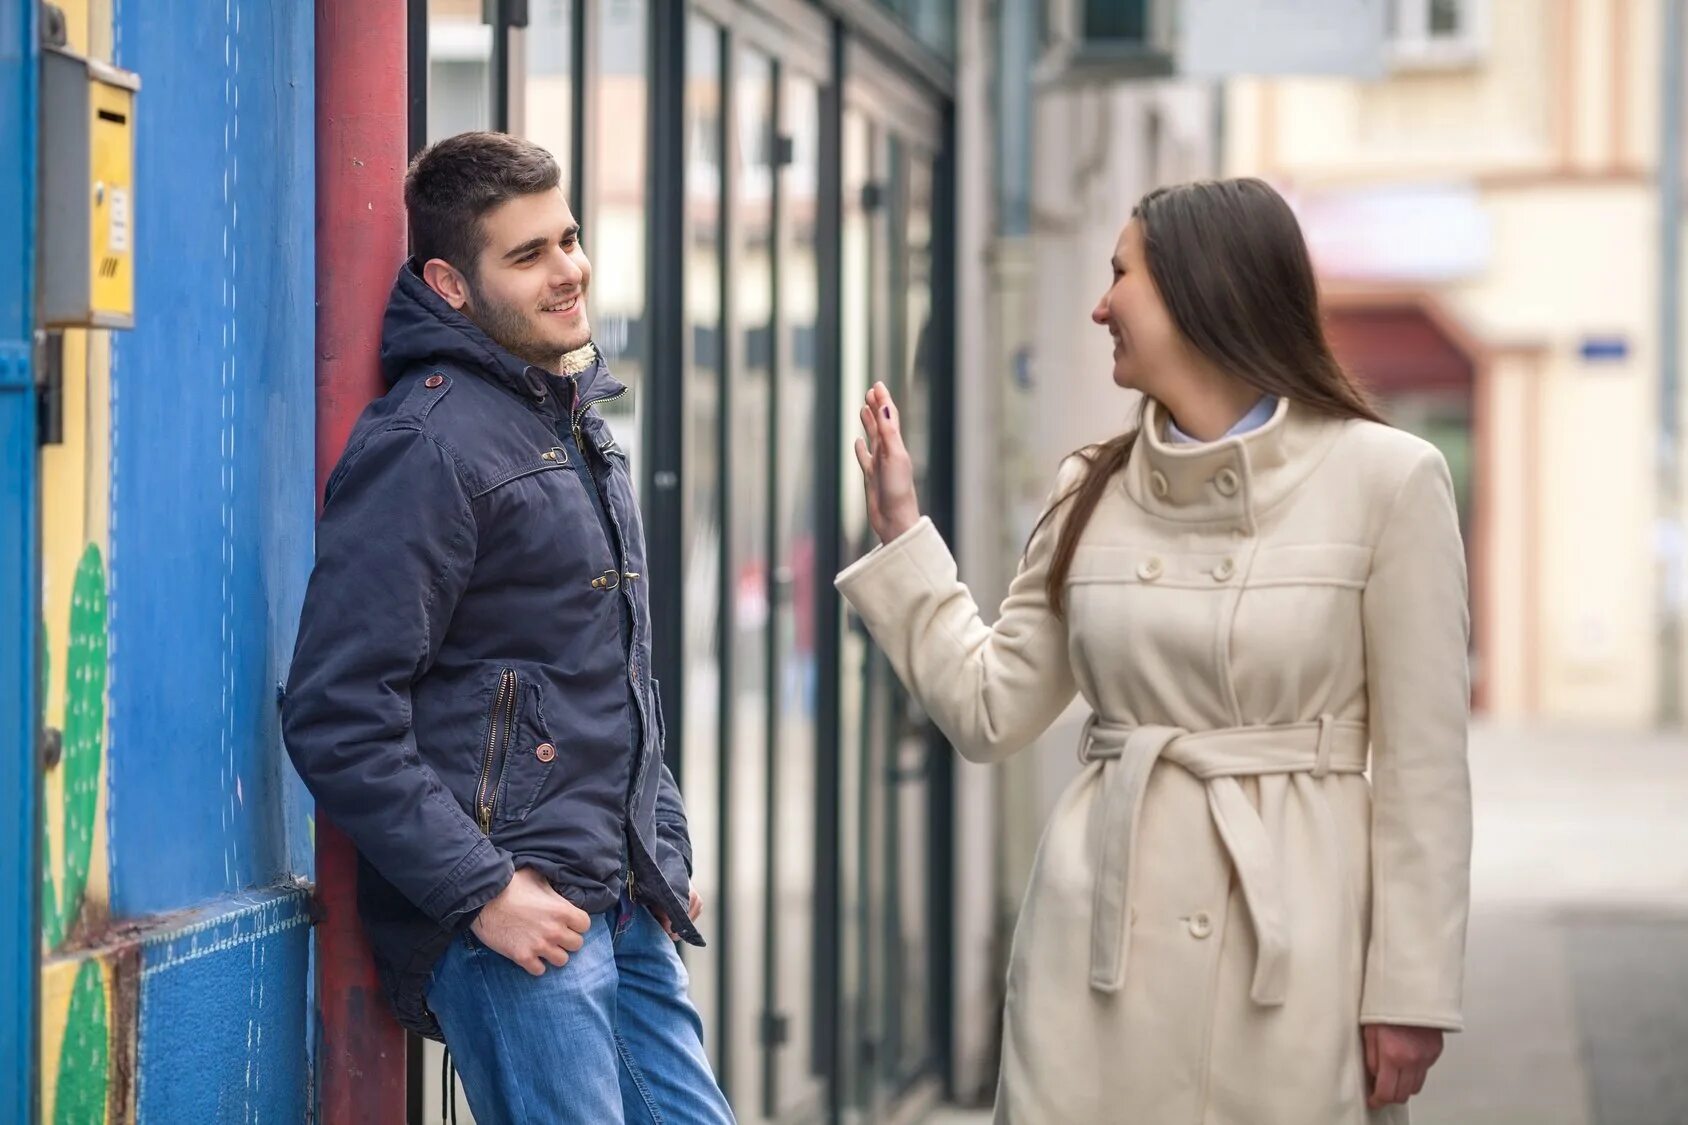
(611, 1036)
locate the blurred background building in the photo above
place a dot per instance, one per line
(785, 200)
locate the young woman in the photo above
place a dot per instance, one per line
(1260, 590)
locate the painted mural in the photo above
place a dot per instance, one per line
(77, 987)
(176, 515)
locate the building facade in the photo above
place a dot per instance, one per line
(769, 192)
(1487, 222)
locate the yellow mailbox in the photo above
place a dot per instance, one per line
(87, 237)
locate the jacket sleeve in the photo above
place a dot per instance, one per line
(991, 689)
(395, 548)
(672, 837)
(1416, 624)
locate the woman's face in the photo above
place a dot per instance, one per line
(1145, 339)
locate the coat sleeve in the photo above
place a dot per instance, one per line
(395, 548)
(991, 689)
(1417, 624)
(671, 831)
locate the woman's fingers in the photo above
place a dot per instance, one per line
(886, 420)
(864, 459)
(870, 423)
(1384, 1083)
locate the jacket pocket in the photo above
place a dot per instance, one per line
(528, 762)
(495, 746)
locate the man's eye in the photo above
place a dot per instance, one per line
(530, 256)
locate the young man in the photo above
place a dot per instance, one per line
(471, 696)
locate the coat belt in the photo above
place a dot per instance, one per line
(1128, 754)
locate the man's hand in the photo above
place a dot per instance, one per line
(1398, 1059)
(693, 910)
(532, 924)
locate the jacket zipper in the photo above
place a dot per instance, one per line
(503, 708)
(579, 413)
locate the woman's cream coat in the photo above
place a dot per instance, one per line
(1221, 899)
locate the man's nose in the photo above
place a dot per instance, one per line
(565, 270)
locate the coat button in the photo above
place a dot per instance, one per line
(548, 455)
(1158, 484)
(1226, 482)
(434, 381)
(545, 752)
(1224, 571)
(1200, 924)
(1149, 569)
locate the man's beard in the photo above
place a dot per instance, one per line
(511, 330)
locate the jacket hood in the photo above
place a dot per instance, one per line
(419, 327)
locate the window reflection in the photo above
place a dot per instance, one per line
(701, 516)
(615, 210)
(459, 68)
(749, 467)
(933, 21)
(798, 585)
(547, 104)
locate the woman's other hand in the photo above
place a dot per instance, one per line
(1399, 1058)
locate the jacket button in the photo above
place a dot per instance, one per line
(434, 381)
(548, 455)
(1226, 482)
(545, 752)
(1200, 924)
(1149, 569)
(1224, 571)
(1158, 484)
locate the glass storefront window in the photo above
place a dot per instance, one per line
(547, 102)
(910, 991)
(459, 68)
(615, 208)
(798, 586)
(933, 21)
(862, 223)
(749, 466)
(701, 514)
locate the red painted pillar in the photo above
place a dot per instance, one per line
(361, 151)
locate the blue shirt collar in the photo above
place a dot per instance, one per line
(1258, 416)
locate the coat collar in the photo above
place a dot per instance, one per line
(1235, 478)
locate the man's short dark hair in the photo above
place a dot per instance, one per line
(452, 184)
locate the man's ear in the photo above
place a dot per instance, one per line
(442, 277)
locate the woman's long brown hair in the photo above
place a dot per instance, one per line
(1229, 261)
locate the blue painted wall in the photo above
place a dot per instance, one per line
(20, 865)
(212, 511)
(212, 453)
(222, 1034)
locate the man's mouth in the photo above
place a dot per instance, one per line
(562, 306)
